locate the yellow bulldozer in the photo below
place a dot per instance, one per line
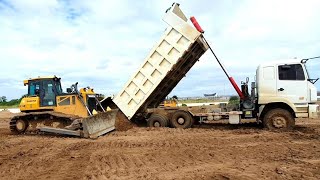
(46, 108)
(169, 102)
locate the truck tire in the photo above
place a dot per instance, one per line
(181, 119)
(278, 119)
(157, 120)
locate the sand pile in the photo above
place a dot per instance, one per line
(122, 122)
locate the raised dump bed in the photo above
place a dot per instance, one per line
(171, 58)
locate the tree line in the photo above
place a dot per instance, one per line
(4, 101)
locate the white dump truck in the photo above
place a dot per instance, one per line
(282, 92)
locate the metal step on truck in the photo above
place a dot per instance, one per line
(282, 92)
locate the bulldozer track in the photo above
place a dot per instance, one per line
(33, 120)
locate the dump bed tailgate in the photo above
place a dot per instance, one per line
(170, 59)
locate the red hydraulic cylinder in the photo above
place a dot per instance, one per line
(196, 24)
(236, 87)
(234, 84)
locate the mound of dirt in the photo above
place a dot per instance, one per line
(5, 117)
(6, 114)
(211, 152)
(123, 123)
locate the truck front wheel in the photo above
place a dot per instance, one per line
(278, 119)
(181, 119)
(157, 120)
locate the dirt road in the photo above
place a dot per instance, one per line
(211, 152)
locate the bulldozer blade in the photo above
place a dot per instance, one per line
(99, 124)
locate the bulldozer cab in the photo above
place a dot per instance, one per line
(45, 93)
(46, 89)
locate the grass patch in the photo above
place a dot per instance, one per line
(14, 103)
(11, 106)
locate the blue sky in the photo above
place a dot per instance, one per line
(101, 43)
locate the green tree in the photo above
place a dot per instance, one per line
(23, 96)
(3, 99)
(234, 100)
(12, 102)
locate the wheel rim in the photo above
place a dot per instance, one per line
(156, 124)
(21, 125)
(181, 120)
(279, 122)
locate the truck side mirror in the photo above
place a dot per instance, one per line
(69, 90)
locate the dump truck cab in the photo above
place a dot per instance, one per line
(46, 94)
(286, 85)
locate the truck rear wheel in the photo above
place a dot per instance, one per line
(157, 120)
(181, 119)
(278, 119)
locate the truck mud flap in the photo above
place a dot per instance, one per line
(99, 124)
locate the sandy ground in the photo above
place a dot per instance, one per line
(208, 152)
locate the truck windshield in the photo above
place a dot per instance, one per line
(313, 70)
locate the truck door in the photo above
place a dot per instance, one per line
(292, 83)
(47, 95)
